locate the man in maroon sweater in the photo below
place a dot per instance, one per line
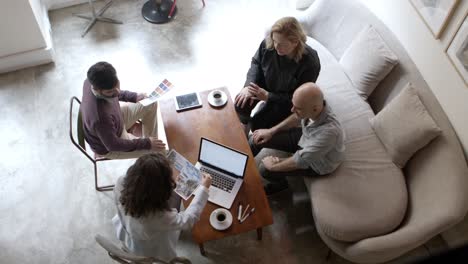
(106, 120)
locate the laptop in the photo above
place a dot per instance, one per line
(226, 166)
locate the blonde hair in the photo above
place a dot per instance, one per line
(290, 28)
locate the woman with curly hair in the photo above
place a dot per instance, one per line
(146, 221)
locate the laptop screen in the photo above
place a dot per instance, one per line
(222, 157)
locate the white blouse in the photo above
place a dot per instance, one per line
(156, 235)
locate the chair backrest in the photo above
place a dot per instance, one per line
(80, 132)
(80, 143)
(125, 257)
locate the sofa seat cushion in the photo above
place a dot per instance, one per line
(367, 195)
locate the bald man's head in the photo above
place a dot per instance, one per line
(307, 101)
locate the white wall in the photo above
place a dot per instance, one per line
(25, 31)
(429, 56)
(18, 28)
(56, 4)
(41, 14)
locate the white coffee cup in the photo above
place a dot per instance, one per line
(221, 216)
(217, 96)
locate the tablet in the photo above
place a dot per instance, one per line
(187, 101)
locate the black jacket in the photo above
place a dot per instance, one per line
(281, 76)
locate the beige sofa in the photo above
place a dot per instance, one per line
(369, 210)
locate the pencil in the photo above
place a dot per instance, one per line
(245, 217)
(245, 211)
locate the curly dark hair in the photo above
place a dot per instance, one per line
(147, 186)
(103, 75)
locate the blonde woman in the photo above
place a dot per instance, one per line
(282, 63)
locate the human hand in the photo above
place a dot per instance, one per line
(243, 97)
(258, 92)
(175, 173)
(141, 96)
(261, 136)
(206, 180)
(269, 162)
(157, 144)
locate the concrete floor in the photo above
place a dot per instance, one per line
(50, 211)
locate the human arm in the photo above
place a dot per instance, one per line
(141, 96)
(311, 67)
(305, 157)
(107, 134)
(243, 97)
(272, 163)
(186, 219)
(157, 144)
(261, 136)
(315, 149)
(258, 92)
(254, 75)
(127, 96)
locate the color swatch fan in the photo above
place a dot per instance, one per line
(164, 87)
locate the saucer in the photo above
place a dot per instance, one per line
(218, 225)
(215, 103)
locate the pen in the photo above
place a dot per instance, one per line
(239, 211)
(245, 217)
(245, 211)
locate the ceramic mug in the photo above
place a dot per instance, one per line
(218, 96)
(221, 216)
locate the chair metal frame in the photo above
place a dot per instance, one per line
(125, 257)
(81, 145)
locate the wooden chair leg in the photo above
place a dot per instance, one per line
(202, 249)
(329, 254)
(259, 233)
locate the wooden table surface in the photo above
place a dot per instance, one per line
(183, 131)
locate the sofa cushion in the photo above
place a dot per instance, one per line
(366, 196)
(367, 61)
(404, 126)
(303, 4)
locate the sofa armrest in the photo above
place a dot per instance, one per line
(437, 180)
(335, 23)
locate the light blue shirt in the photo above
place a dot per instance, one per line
(156, 235)
(322, 143)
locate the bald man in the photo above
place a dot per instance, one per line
(312, 133)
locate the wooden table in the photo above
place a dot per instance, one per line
(183, 131)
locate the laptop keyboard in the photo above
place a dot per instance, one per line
(218, 180)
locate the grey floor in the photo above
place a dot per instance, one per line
(50, 211)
